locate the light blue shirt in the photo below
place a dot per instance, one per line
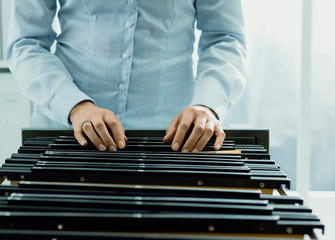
(133, 57)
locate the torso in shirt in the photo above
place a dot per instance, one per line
(133, 57)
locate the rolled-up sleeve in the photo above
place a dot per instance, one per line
(42, 77)
(222, 52)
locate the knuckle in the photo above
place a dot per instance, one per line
(209, 131)
(107, 115)
(192, 109)
(199, 129)
(86, 127)
(99, 125)
(202, 113)
(113, 124)
(184, 126)
(105, 111)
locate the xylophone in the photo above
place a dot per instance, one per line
(61, 190)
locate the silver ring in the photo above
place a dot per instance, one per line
(82, 124)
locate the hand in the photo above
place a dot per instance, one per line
(98, 121)
(205, 125)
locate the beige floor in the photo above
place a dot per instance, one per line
(323, 205)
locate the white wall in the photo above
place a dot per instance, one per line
(5, 14)
(15, 109)
(14, 114)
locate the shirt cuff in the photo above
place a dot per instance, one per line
(213, 98)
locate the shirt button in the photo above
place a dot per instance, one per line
(127, 24)
(124, 55)
(121, 86)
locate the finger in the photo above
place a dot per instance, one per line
(197, 132)
(78, 134)
(182, 129)
(117, 130)
(206, 136)
(102, 131)
(220, 136)
(171, 130)
(88, 129)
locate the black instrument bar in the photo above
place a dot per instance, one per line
(93, 165)
(148, 177)
(83, 235)
(140, 154)
(110, 205)
(150, 222)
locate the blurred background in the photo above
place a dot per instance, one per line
(275, 37)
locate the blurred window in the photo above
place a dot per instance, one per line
(273, 29)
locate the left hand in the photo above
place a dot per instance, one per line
(205, 124)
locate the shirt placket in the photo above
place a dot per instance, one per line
(128, 24)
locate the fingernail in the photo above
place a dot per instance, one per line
(82, 142)
(120, 144)
(102, 147)
(186, 150)
(175, 146)
(112, 148)
(218, 146)
(195, 150)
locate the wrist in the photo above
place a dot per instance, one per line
(79, 108)
(208, 108)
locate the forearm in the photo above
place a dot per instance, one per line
(42, 77)
(222, 52)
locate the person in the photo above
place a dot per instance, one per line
(127, 64)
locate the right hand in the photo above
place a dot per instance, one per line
(99, 120)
